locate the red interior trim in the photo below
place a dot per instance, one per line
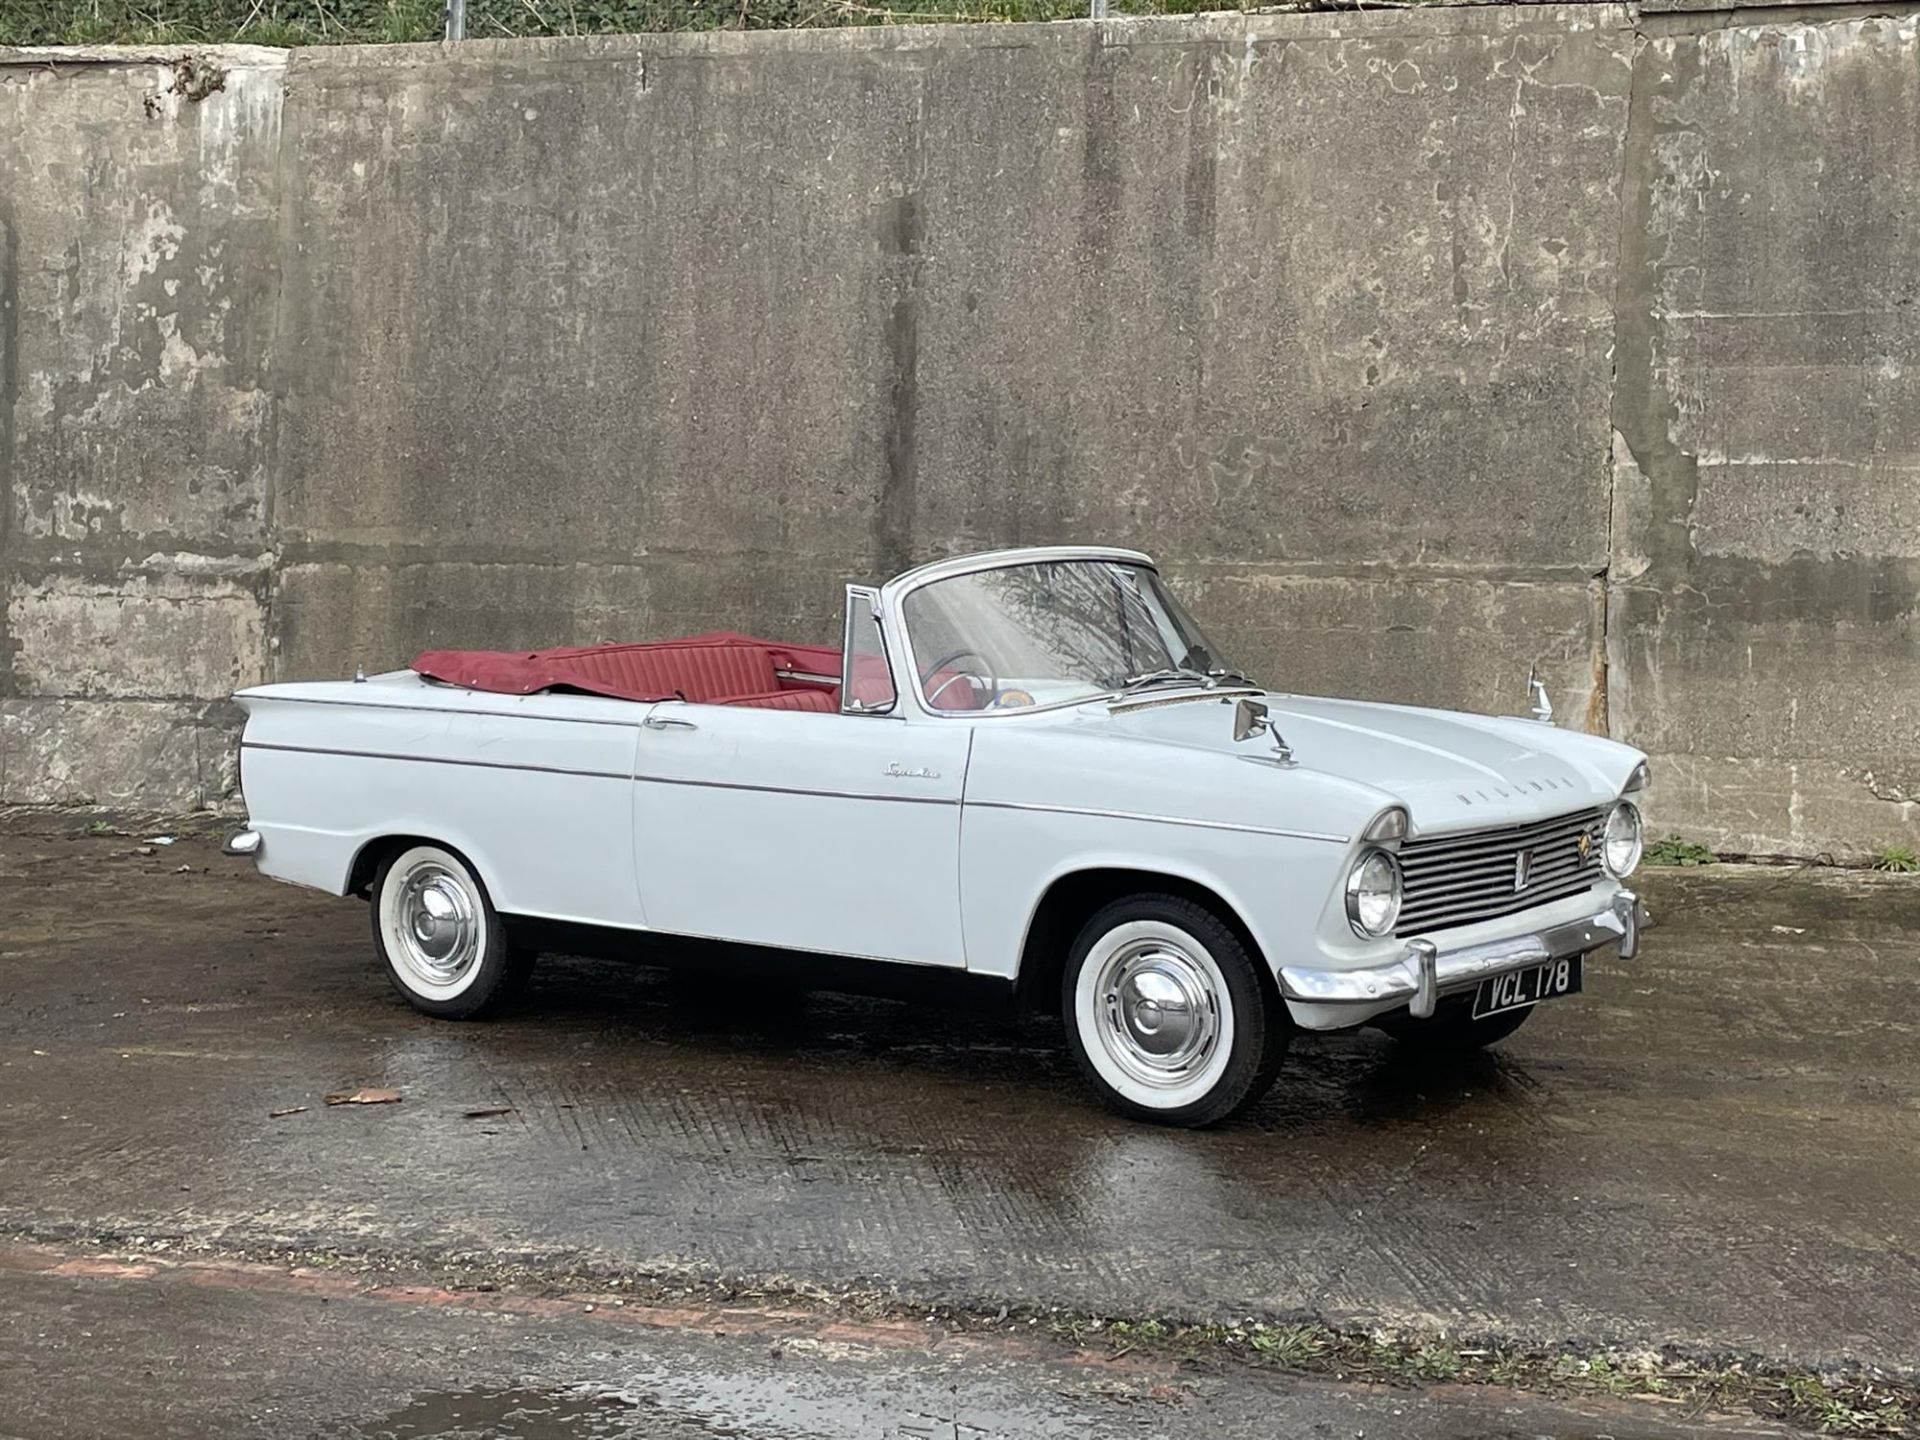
(721, 668)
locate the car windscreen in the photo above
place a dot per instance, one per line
(1058, 631)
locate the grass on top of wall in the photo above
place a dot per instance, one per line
(339, 22)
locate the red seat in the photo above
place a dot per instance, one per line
(821, 701)
(699, 672)
(718, 669)
(722, 668)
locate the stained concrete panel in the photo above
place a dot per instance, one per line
(142, 229)
(138, 282)
(1766, 579)
(163, 636)
(171, 756)
(1331, 289)
(584, 303)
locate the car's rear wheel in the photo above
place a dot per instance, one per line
(1452, 1030)
(1168, 1014)
(444, 944)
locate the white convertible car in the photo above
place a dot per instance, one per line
(1028, 765)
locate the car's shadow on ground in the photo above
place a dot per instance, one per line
(747, 1017)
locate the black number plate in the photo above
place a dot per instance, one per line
(1518, 989)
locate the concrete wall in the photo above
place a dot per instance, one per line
(139, 260)
(1420, 345)
(1762, 634)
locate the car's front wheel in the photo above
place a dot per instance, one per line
(444, 944)
(1168, 1014)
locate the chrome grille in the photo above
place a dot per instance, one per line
(1460, 879)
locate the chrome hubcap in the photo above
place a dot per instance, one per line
(436, 921)
(1160, 1015)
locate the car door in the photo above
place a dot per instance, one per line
(837, 833)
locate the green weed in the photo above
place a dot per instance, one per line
(1290, 1345)
(1675, 851)
(1897, 858)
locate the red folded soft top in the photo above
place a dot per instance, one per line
(722, 666)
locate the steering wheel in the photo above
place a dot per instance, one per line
(985, 672)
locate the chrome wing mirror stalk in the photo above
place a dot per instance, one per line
(1542, 708)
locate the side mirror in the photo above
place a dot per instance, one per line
(1249, 720)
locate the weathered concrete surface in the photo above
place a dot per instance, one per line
(1717, 10)
(1422, 346)
(138, 277)
(854, 299)
(846, 300)
(1766, 572)
(1716, 1148)
(152, 1350)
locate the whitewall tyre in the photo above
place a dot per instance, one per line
(444, 944)
(1168, 1015)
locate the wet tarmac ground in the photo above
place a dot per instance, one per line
(1715, 1149)
(192, 1352)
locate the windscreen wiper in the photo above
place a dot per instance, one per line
(1163, 677)
(1224, 676)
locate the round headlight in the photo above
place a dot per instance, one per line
(1373, 894)
(1621, 844)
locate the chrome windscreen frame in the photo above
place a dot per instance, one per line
(896, 590)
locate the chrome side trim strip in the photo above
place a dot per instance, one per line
(435, 760)
(605, 774)
(795, 790)
(1159, 819)
(462, 710)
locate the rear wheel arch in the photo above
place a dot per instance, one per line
(1074, 898)
(365, 868)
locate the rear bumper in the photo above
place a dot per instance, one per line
(1424, 972)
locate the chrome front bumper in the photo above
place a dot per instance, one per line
(1424, 972)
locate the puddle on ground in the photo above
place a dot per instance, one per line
(516, 1414)
(695, 1403)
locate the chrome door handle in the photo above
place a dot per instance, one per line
(663, 722)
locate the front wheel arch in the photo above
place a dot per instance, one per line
(1074, 898)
